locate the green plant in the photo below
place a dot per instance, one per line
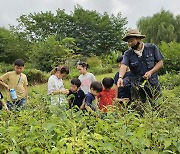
(35, 76)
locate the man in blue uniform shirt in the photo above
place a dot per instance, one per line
(144, 60)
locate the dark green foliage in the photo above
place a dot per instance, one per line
(12, 47)
(94, 33)
(161, 26)
(35, 76)
(48, 54)
(6, 67)
(172, 56)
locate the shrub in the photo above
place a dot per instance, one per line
(35, 76)
(101, 70)
(171, 56)
(94, 61)
(73, 73)
(5, 67)
(169, 80)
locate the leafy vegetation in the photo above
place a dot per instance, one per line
(162, 26)
(41, 128)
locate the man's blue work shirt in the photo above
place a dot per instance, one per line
(140, 65)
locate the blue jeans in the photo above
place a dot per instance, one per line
(15, 105)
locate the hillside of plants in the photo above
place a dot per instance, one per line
(44, 40)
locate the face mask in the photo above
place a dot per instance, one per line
(135, 47)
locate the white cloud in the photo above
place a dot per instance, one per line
(10, 10)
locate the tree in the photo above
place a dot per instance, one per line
(94, 33)
(50, 53)
(12, 47)
(160, 27)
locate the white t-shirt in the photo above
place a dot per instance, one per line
(86, 81)
(55, 84)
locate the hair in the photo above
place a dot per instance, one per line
(96, 85)
(119, 59)
(62, 69)
(107, 82)
(19, 62)
(76, 82)
(83, 64)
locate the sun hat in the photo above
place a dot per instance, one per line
(133, 33)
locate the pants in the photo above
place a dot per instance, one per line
(15, 105)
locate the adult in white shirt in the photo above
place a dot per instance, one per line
(86, 78)
(56, 88)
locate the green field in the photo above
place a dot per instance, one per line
(42, 128)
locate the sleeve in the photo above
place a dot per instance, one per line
(125, 60)
(116, 77)
(5, 77)
(157, 54)
(50, 86)
(25, 82)
(93, 78)
(88, 100)
(83, 95)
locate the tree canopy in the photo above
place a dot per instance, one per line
(162, 26)
(94, 33)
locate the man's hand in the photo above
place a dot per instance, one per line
(147, 75)
(120, 82)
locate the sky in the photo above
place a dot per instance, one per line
(133, 10)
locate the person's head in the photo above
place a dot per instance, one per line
(82, 67)
(75, 85)
(119, 60)
(95, 88)
(60, 71)
(107, 83)
(19, 66)
(133, 37)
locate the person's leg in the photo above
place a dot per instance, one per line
(10, 105)
(21, 103)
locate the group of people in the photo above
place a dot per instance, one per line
(136, 79)
(85, 92)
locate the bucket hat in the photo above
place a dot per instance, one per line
(133, 33)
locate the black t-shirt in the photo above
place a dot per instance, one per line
(1, 96)
(76, 99)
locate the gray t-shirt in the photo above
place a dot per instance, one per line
(86, 81)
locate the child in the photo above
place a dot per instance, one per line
(55, 85)
(78, 94)
(123, 93)
(18, 81)
(107, 95)
(86, 78)
(2, 102)
(95, 89)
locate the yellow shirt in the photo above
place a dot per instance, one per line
(12, 80)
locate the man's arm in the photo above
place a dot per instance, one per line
(158, 65)
(26, 93)
(4, 84)
(4, 104)
(122, 71)
(4, 78)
